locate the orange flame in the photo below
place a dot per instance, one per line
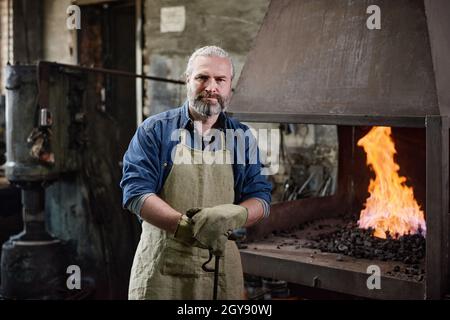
(391, 205)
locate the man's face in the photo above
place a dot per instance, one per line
(209, 85)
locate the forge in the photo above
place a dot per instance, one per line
(335, 71)
(316, 241)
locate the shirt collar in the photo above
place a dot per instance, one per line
(186, 121)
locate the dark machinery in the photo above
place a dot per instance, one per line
(31, 165)
(2, 130)
(68, 170)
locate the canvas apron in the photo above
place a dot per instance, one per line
(164, 268)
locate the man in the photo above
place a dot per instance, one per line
(189, 207)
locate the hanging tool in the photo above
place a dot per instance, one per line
(40, 137)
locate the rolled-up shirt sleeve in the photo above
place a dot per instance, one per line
(141, 165)
(135, 204)
(255, 184)
(266, 207)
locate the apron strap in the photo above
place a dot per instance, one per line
(222, 141)
(183, 135)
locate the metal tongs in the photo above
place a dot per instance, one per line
(231, 236)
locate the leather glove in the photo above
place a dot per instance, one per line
(212, 225)
(185, 231)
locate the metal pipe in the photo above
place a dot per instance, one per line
(110, 71)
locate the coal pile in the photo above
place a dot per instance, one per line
(360, 243)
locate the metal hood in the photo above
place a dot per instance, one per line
(317, 58)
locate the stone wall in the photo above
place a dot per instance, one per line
(231, 24)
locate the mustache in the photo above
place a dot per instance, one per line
(204, 95)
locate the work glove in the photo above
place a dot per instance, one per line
(212, 226)
(185, 231)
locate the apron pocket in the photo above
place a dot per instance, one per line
(178, 263)
(185, 261)
(182, 260)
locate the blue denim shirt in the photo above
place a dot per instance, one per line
(147, 162)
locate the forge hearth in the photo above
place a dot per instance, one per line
(316, 241)
(348, 242)
(292, 255)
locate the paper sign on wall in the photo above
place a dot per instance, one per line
(173, 19)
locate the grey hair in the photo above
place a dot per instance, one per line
(208, 51)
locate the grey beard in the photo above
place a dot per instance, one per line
(204, 108)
